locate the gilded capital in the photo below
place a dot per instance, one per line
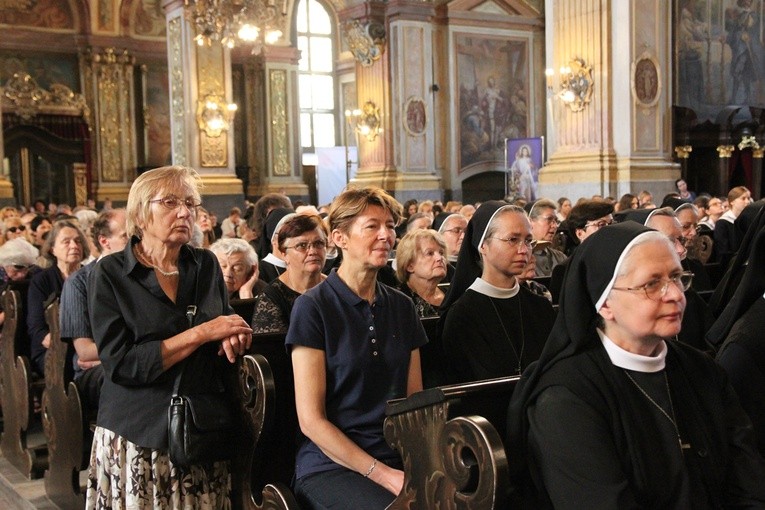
(725, 151)
(683, 151)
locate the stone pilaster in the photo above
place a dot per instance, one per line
(109, 89)
(200, 77)
(274, 120)
(6, 188)
(620, 141)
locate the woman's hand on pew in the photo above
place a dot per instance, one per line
(236, 335)
(391, 479)
(46, 341)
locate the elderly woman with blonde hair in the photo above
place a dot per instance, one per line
(162, 322)
(420, 267)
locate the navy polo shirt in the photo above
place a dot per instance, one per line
(367, 349)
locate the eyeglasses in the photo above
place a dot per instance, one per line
(304, 246)
(20, 228)
(549, 219)
(457, 231)
(657, 288)
(516, 242)
(598, 224)
(173, 202)
(20, 267)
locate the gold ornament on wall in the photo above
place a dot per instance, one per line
(365, 41)
(366, 121)
(576, 84)
(214, 115)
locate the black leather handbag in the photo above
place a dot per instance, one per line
(200, 426)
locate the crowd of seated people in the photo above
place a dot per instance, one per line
(347, 283)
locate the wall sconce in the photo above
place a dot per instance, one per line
(575, 84)
(214, 115)
(366, 121)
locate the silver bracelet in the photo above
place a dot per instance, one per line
(371, 468)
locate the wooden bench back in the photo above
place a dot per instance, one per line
(16, 391)
(450, 439)
(271, 435)
(68, 434)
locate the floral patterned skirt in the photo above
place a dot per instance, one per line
(125, 476)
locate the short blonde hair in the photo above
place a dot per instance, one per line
(408, 249)
(148, 184)
(352, 202)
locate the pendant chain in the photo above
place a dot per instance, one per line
(683, 446)
(507, 335)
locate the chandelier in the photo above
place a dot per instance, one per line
(226, 21)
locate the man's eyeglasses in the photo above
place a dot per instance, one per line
(457, 231)
(304, 246)
(516, 242)
(657, 288)
(20, 228)
(173, 203)
(598, 224)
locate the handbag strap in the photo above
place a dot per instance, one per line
(191, 312)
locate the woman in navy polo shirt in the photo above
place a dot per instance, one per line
(355, 345)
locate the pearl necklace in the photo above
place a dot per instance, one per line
(145, 262)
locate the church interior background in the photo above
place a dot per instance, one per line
(420, 95)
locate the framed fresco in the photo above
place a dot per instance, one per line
(415, 116)
(719, 49)
(523, 159)
(492, 77)
(646, 80)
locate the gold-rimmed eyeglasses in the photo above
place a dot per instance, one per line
(657, 288)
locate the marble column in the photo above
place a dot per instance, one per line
(620, 141)
(108, 87)
(273, 120)
(392, 45)
(200, 89)
(6, 188)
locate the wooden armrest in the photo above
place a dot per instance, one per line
(440, 394)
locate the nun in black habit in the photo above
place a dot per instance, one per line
(739, 334)
(613, 415)
(494, 326)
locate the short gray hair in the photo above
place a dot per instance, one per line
(540, 205)
(231, 245)
(18, 251)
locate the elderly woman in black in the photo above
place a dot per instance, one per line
(158, 307)
(66, 248)
(617, 415)
(302, 244)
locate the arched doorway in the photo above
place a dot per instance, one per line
(483, 186)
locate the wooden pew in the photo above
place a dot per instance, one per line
(270, 432)
(69, 437)
(16, 393)
(450, 440)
